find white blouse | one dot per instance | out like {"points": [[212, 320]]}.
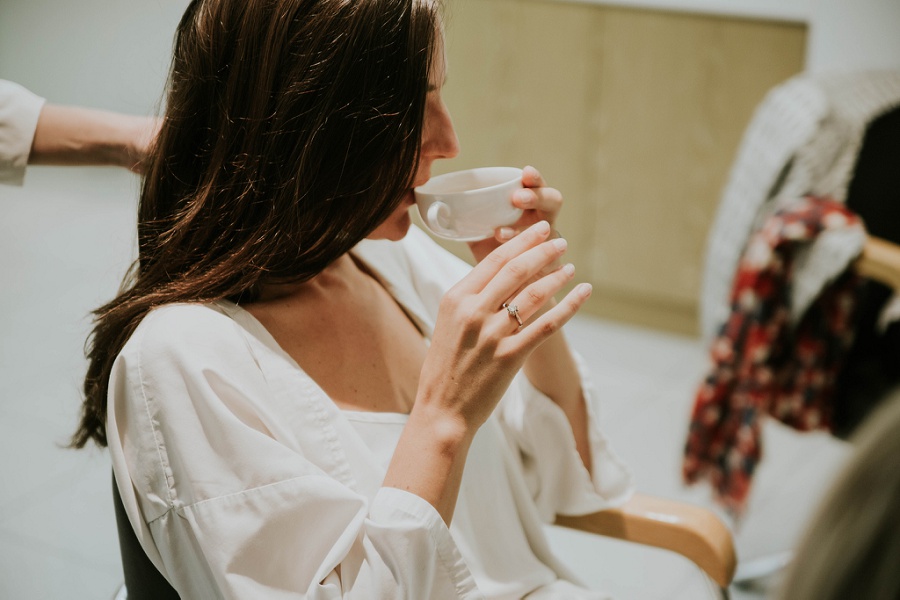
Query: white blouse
{"points": [[246, 481], [486, 526]]}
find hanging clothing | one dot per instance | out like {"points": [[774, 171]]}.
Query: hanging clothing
{"points": [[804, 139], [762, 363]]}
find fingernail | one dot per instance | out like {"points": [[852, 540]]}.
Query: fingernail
{"points": [[584, 289], [542, 227], [523, 197], [560, 244], [506, 233], [569, 269]]}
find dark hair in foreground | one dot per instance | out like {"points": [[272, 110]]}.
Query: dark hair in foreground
{"points": [[852, 546], [292, 130]]}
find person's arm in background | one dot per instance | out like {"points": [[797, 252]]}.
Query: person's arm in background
{"points": [[70, 135], [33, 132]]}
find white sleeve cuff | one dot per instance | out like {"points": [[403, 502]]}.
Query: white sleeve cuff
{"points": [[408, 512], [19, 112], [552, 466], [612, 478]]}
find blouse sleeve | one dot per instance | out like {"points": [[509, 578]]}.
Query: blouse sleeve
{"points": [[540, 432], [231, 504], [19, 112]]}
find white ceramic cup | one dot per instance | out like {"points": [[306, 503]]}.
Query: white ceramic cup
{"points": [[469, 205]]}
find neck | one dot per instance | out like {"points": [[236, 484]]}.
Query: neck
{"points": [[334, 276]]}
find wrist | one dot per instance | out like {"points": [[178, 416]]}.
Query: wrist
{"points": [[128, 141], [430, 458], [448, 431]]}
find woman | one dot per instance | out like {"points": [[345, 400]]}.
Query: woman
{"points": [[294, 411]]}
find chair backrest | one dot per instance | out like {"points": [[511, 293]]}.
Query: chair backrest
{"points": [[142, 579], [870, 371]]}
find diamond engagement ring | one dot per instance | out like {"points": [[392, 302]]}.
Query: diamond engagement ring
{"points": [[513, 311]]}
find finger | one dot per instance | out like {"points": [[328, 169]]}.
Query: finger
{"points": [[533, 334], [520, 272], [531, 177], [486, 270], [504, 234], [538, 203], [545, 200], [508, 232], [535, 295]]}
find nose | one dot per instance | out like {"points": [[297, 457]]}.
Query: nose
{"points": [[438, 135]]}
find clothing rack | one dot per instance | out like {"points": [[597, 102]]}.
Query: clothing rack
{"points": [[880, 261]]}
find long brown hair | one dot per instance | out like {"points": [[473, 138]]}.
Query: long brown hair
{"points": [[292, 130]]}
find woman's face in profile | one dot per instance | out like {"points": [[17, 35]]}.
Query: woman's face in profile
{"points": [[438, 141]]}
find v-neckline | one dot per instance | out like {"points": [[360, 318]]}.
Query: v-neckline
{"points": [[254, 326]]}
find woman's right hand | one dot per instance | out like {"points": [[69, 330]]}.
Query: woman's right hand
{"points": [[478, 346]]}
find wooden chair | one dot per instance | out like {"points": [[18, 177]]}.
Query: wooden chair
{"points": [[691, 531], [880, 261]]}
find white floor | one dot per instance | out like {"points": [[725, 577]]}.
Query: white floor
{"points": [[65, 240]]}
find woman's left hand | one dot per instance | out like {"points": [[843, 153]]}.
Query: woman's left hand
{"points": [[539, 202]]}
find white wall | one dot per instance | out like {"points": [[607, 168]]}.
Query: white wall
{"points": [[110, 54], [854, 34], [844, 34], [66, 238], [114, 53], [787, 10]]}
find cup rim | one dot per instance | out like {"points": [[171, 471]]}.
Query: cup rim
{"points": [[514, 172]]}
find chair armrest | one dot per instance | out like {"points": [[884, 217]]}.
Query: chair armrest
{"points": [[880, 261], [689, 530]]}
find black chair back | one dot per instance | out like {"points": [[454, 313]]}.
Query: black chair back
{"points": [[870, 371], [142, 579]]}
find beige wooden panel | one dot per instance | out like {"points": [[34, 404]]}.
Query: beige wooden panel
{"points": [[518, 81], [635, 115]]}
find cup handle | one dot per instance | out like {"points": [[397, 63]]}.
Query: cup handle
{"points": [[440, 219]]}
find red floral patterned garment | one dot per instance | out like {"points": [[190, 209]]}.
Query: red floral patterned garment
{"points": [[761, 363]]}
